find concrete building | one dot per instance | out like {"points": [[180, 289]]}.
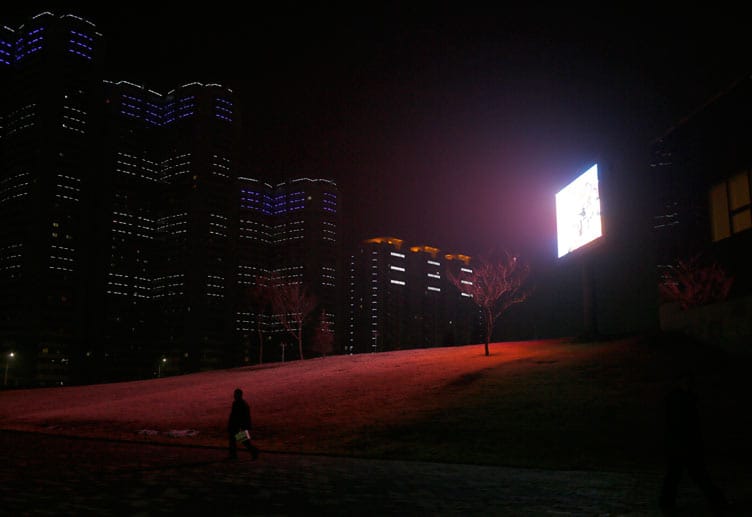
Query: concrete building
{"points": [[52, 83], [400, 298]]}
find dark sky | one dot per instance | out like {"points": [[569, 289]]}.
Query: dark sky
{"points": [[451, 126]]}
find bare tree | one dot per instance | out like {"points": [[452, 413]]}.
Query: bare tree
{"points": [[260, 298], [495, 284], [291, 304], [692, 282]]}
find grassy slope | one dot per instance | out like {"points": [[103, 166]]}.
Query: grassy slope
{"points": [[546, 404]]}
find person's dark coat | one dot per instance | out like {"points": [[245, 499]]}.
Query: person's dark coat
{"points": [[240, 416]]}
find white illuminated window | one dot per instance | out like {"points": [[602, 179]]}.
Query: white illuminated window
{"points": [[466, 270], [434, 275], [434, 263], [396, 268], [431, 288], [395, 254], [398, 282], [466, 282]]}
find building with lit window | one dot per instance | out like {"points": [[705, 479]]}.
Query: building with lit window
{"points": [[50, 126], [197, 226], [400, 297], [129, 192], [290, 230], [701, 168], [132, 236], [170, 277], [702, 171]]}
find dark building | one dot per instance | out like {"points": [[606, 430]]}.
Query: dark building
{"points": [[131, 234], [305, 239], [129, 196], [400, 298], [48, 201], [197, 225], [702, 169], [290, 230]]}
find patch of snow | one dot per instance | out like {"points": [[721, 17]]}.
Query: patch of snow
{"points": [[181, 433]]}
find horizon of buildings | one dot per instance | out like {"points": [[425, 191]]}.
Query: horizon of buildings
{"points": [[132, 231]]}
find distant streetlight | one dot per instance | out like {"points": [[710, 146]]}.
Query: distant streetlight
{"points": [[10, 356], [159, 366]]}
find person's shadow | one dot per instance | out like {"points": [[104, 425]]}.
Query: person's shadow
{"points": [[685, 449]]}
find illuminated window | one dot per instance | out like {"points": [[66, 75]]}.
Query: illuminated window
{"points": [[730, 206]]}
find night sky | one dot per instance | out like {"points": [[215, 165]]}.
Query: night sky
{"points": [[450, 126]]}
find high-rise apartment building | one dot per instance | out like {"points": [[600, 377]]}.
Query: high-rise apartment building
{"points": [[198, 225], [50, 162], [129, 194], [132, 235], [400, 297], [290, 230], [172, 163]]}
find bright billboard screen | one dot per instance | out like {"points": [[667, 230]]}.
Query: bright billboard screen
{"points": [[578, 212]]}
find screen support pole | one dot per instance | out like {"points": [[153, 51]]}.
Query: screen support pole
{"points": [[589, 309]]}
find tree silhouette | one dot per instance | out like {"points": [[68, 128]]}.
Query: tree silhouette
{"points": [[291, 304], [692, 283], [495, 284], [260, 298]]}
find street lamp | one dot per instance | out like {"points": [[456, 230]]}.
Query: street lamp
{"points": [[10, 356], [159, 367]]}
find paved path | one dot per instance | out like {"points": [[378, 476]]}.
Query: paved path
{"points": [[54, 475]]}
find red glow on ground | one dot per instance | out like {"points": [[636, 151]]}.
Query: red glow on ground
{"points": [[289, 401]]}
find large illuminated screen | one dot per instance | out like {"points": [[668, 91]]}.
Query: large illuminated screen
{"points": [[578, 212]]}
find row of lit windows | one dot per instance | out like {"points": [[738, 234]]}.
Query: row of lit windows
{"points": [[171, 167], [21, 118], [14, 187], [73, 119], [11, 256], [220, 166], [185, 107]]}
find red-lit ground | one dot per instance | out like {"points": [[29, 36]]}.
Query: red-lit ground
{"points": [[544, 403]]}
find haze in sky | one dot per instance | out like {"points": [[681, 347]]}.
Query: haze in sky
{"points": [[450, 126]]}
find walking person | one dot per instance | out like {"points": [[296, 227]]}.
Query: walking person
{"points": [[240, 420], [685, 449]]}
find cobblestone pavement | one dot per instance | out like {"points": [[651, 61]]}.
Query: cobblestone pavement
{"points": [[45, 475]]}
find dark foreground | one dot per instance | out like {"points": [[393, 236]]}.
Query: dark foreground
{"points": [[44, 474]]}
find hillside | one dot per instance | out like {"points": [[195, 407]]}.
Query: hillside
{"points": [[549, 403]]}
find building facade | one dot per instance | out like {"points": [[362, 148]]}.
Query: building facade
{"points": [[703, 179], [400, 297], [50, 164], [290, 230], [132, 233], [701, 170]]}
